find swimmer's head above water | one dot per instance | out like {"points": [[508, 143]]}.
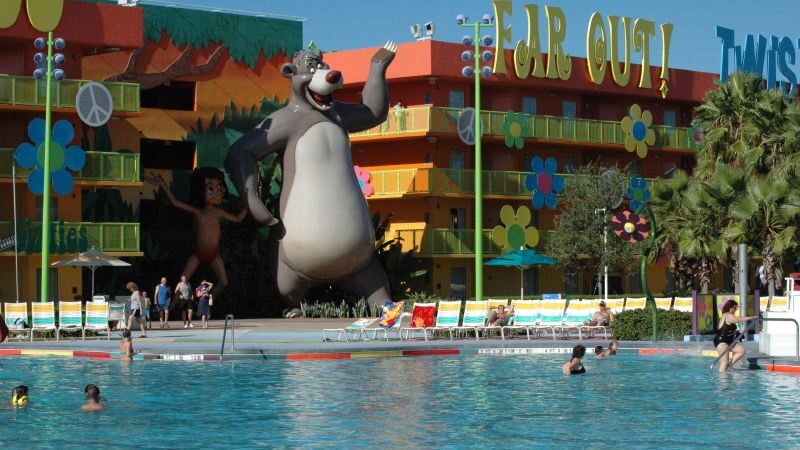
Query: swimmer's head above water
{"points": [[92, 393], [19, 395]]}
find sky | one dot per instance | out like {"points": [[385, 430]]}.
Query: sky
{"points": [[347, 24]]}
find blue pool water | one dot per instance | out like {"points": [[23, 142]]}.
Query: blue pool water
{"points": [[511, 401]]}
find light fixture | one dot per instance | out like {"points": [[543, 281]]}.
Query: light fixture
{"points": [[416, 31], [461, 19], [127, 2], [429, 28]]}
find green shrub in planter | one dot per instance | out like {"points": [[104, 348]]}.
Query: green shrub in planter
{"points": [[637, 325]]}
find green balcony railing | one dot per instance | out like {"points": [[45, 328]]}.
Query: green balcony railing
{"points": [[445, 241], [437, 181], [28, 91], [106, 237], [100, 166], [433, 119]]}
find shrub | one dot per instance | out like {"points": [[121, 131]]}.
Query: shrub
{"points": [[637, 325]]}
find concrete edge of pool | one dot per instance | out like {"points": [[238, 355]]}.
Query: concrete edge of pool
{"points": [[761, 362]]}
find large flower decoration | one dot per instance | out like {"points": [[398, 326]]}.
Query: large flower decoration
{"points": [[637, 126], [637, 193], [515, 128], [544, 183], [515, 232], [630, 226], [62, 156], [695, 138], [363, 176]]}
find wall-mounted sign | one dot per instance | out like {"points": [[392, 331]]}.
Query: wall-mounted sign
{"points": [[63, 239], [603, 46], [759, 54]]}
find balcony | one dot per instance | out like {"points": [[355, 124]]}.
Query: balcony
{"points": [[445, 241], [106, 237], [27, 91], [434, 120], [438, 182], [101, 168]]}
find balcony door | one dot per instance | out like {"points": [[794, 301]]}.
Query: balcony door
{"points": [[569, 111], [458, 283]]}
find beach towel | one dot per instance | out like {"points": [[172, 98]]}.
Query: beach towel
{"points": [[392, 311]]}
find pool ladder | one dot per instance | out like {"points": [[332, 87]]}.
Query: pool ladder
{"points": [[224, 335]]}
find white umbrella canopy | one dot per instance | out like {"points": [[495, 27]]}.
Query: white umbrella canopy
{"points": [[92, 259]]}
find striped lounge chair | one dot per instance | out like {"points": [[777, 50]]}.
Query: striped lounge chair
{"points": [[97, 318], [70, 317], [526, 315], [447, 317], [684, 304], [44, 318], [354, 331], [579, 312], [551, 317], [16, 314], [475, 314]]}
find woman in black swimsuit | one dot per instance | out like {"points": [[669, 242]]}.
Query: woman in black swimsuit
{"points": [[574, 366], [726, 335]]}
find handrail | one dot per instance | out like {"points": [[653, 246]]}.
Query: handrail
{"points": [[224, 333], [736, 340], [796, 335]]}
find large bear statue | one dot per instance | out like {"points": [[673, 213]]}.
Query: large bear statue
{"points": [[328, 237]]}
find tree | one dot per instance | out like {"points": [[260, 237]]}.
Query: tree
{"points": [[577, 240]]}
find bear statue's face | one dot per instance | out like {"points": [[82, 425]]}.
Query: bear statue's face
{"points": [[313, 82]]}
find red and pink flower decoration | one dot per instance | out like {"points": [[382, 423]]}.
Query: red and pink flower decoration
{"points": [[363, 176], [630, 226]]}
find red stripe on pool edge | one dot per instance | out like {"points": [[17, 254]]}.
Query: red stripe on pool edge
{"points": [[318, 356], [453, 351], [664, 351], [647, 351], [98, 355], [10, 352], [779, 368]]}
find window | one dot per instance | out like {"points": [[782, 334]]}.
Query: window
{"points": [[173, 155], [427, 100], [669, 169], [458, 283], [635, 283], [669, 117], [458, 218], [530, 280], [53, 209], [570, 164], [529, 105], [635, 169], [456, 99], [569, 109], [571, 280], [456, 159], [175, 95]]}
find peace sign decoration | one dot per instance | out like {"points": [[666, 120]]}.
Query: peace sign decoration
{"points": [[94, 104]]}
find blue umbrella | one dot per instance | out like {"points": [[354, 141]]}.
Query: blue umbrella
{"points": [[522, 258]]}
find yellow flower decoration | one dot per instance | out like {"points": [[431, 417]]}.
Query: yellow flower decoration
{"points": [[515, 232], [637, 127], [44, 15]]}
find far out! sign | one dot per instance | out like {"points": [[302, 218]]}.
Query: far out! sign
{"points": [[603, 47]]}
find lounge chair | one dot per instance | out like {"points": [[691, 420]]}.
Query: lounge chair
{"points": [[390, 321], [684, 304], [615, 305], [44, 318], [663, 302], [474, 319], [97, 318], [551, 316], [422, 319], [779, 304], [447, 317], [16, 314], [635, 303], [355, 329], [493, 305], [526, 315], [579, 312], [70, 317]]}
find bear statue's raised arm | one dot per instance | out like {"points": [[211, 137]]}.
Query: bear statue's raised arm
{"points": [[242, 163], [374, 104]]}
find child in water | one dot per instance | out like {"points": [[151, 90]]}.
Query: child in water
{"points": [[92, 398], [126, 345], [19, 395]]}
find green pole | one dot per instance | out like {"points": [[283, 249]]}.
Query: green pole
{"points": [[478, 171], [643, 271], [46, 188]]}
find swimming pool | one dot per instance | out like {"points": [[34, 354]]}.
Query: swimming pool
{"points": [[523, 401]]}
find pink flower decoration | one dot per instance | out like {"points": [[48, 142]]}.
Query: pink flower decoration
{"points": [[363, 176]]}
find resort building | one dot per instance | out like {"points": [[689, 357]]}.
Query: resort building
{"points": [[422, 173]]}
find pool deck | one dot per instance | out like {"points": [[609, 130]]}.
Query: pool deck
{"points": [[303, 339]]}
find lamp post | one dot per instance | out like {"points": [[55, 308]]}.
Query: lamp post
{"points": [[45, 69], [487, 21]]}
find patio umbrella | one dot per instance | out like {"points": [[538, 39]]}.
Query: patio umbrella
{"points": [[92, 259], [522, 258]]}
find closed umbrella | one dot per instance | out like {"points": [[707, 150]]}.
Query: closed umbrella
{"points": [[522, 258], [92, 259]]}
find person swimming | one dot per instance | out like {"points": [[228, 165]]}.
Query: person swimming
{"points": [[599, 353], [126, 345], [19, 395], [574, 366], [92, 398]]}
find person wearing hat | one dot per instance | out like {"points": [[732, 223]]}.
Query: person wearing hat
{"points": [[602, 317]]}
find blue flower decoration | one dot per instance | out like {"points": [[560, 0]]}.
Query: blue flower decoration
{"points": [[544, 183], [62, 156], [637, 193]]}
